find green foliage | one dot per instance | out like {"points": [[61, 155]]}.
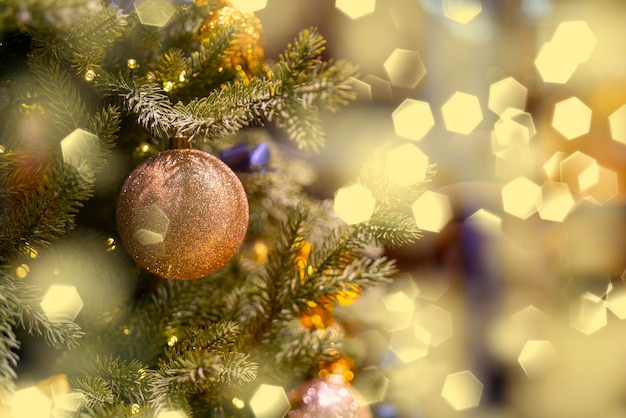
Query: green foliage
{"points": [[177, 344]]}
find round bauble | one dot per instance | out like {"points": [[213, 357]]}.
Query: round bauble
{"points": [[182, 214], [327, 398]]}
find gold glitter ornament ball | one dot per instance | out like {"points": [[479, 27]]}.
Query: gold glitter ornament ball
{"points": [[327, 398], [182, 214]]}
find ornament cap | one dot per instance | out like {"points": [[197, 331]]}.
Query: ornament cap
{"points": [[180, 142]]}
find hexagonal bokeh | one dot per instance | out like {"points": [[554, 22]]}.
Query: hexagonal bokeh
{"points": [[249, 6], [171, 414], [406, 165], [604, 189], [616, 302], [556, 202], [485, 221], [571, 45], [432, 211], [617, 123], [537, 357], [372, 384], [437, 321], [552, 167], [507, 93], [61, 302], [462, 390], [362, 89], [514, 128], [400, 309], [461, 113], [461, 11], [269, 401], [572, 118], [30, 402], [573, 167], [154, 225], [154, 12], [356, 8], [520, 196], [404, 68], [354, 204], [576, 39], [78, 146], [410, 344], [588, 314], [413, 119]]}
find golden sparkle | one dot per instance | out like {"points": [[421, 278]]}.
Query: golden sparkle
{"points": [[413, 119], [556, 202], [461, 113], [462, 390], [404, 68], [519, 197], [269, 401], [572, 118], [432, 211], [354, 204], [505, 94], [355, 9]]}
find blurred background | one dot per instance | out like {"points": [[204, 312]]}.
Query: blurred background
{"points": [[512, 303]]}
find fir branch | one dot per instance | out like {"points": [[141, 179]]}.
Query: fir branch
{"points": [[171, 66], [58, 334], [109, 380], [237, 369], [9, 344], [216, 337], [280, 268], [391, 229], [60, 96]]}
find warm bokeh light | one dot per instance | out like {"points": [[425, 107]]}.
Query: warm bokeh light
{"points": [[30, 402], [485, 221], [269, 401], [462, 390], [406, 165], [552, 167], [617, 124], [249, 6], [514, 128], [362, 89], [588, 177], [571, 45], [154, 225], [356, 8], [432, 211], [437, 321], [520, 197], [404, 68], [576, 39], [616, 302], [372, 384], [588, 313], [413, 119], [508, 335], [78, 146], [505, 94], [461, 11], [61, 303], [354, 204], [154, 12], [537, 357], [556, 201], [461, 113], [605, 188], [572, 118], [410, 344], [400, 309], [573, 167]]}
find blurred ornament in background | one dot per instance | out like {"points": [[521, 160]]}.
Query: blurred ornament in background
{"points": [[327, 398], [243, 158], [182, 214], [245, 56]]}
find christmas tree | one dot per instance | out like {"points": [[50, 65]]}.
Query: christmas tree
{"points": [[92, 95]]}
